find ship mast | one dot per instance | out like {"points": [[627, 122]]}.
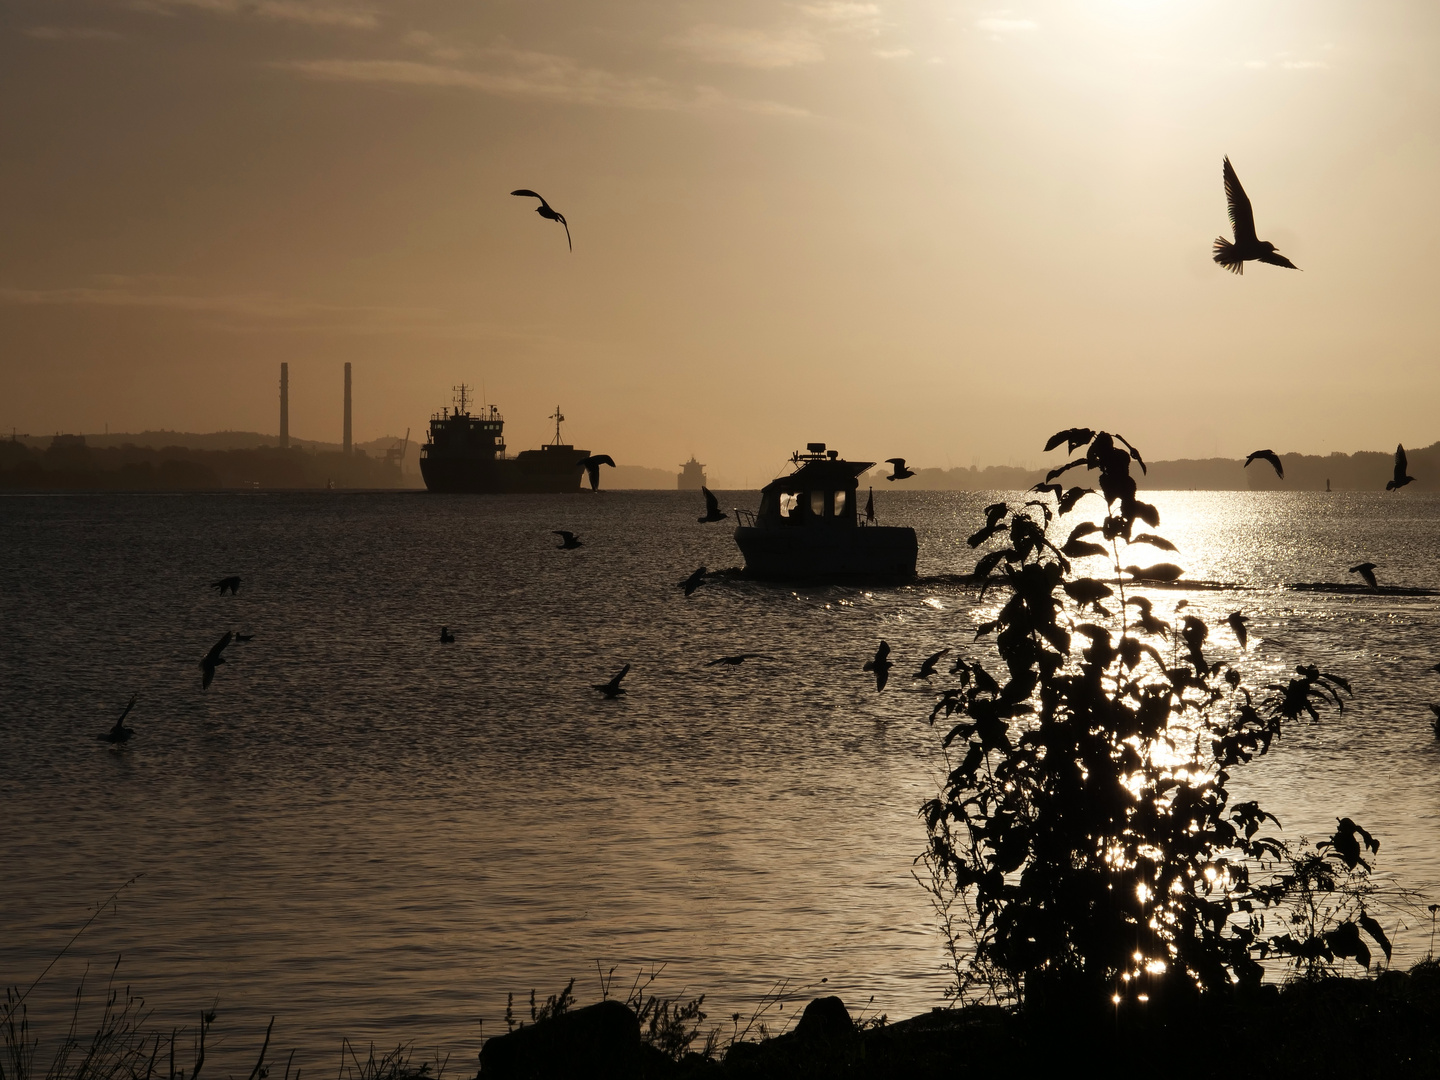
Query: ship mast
{"points": [[558, 418], [462, 391]]}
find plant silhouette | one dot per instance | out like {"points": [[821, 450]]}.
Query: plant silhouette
{"points": [[1085, 824]]}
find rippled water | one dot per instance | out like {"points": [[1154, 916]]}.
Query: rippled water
{"points": [[374, 836]]}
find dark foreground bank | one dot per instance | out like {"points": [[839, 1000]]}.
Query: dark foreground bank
{"points": [[1385, 1026]]}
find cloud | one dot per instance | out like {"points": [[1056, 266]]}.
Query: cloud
{"points": [[541, 76], [71, 33], [749, 48], [846, 16], [893, 54], [307, 12], [998, 25], [131, 293]]}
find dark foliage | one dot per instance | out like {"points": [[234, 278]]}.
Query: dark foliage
{"points": [[1086, 823]]}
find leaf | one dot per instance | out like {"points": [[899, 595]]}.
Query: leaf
{"points": [[1079, 549], [1073, 496], [985, 532], [1146, 513], [988, 563], [1134, 453], [1154, 541], [1061, 470], [1085, 528], [1373, 928], [1087, 590], [1071, 437]]}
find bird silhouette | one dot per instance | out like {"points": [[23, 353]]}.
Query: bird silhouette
{"points": [[694, 581], [592, 464], [1401, 464], [1270, 456], [739, 658], [612, 689], [213, 659], [880, 665], [927, 668], [546, 211], [900, 471], [568, 540], [446, 637], [230, 584], [712, 507], [1367, 571], [120, 733], [1246, 247], [1237, 623], [1436, 722]]}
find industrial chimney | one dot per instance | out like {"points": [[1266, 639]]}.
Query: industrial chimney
{"points": [[284, 406], [347, 407]]}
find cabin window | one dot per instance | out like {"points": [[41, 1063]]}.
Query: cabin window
{"points": [[789, 504], [817, 504], [839, 503]]}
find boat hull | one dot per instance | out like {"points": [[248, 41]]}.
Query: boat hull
{"points": [[533, 472], [879, 552]]}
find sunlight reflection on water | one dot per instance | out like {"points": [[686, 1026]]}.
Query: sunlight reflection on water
{"points": [[374, 836]]}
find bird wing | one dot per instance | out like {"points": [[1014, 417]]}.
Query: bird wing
{"points": [[128, 707], [1402, 463], [1274, 258], [1242, 217], [623, 672], [568, 243], [933, 660], [214, 654], [882, 652], [531, 194], [1270, 456], [898, 462], [712, 504], [600, 459]]}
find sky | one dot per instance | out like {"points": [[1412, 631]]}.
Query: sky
{"points": [[940, 230]]}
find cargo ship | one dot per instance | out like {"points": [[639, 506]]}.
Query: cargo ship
{"points": [[692, 476], [808, 526], [466, 453]]}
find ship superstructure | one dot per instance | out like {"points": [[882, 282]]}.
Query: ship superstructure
{"points": [[466, 453], [692, 476]]}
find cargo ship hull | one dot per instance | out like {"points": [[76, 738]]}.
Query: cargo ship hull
{"points": [[466, 454]]}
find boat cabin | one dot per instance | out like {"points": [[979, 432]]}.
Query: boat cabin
{"points": [[819, 493]]}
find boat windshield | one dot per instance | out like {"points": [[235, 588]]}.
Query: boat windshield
{"points": [[840, 503]]}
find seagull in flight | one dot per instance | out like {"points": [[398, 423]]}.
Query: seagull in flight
{"points": [[120, 733], [612, 689], [694, 581], [901, 472], [592, 464], [1270, 456], [1367, 571], [712, 507], [928, 667], [738, 659], [213, 659], [1401, 464], [546, 211], [1246, 247], [880, 665], [1237, 623], [568, 540], [230, 584]]}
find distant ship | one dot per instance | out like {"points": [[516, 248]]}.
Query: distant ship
{"points": [[466, 453], [692, 476], [808, 526]]}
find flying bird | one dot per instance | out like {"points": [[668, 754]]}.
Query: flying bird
{"points": [[120, 733], [592, 464], [928, 667], [232, 584], [1237, 623], [1401, 464], [1270, 456], [568, 540], [740, 658], [546, 211], [612, 689], [1234, 256], [712, 507], [446, 637], [213, 659], [1367, 571], [880, 665], [694, 581], [901, 472]]}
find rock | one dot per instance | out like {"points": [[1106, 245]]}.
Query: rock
{"points": [[597, 1041], [825, 1020]]}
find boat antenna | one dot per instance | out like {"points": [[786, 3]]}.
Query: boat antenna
{"points": [[558, 418], [463, 391]]}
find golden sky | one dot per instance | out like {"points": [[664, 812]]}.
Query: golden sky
{"points": [[941, 230]]}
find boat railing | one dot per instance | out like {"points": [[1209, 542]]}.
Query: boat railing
{"points": [[744, 518]]}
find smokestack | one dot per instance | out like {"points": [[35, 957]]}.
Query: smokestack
{"points": [[347, 407], [284, 406]]}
